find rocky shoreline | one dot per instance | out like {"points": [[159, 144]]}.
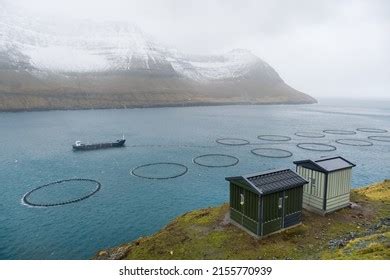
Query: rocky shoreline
{"points": [[170, 105], [361, 231]]}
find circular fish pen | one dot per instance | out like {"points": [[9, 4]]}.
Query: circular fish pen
{"points": [[319, 147], [160, 170], [271, 153], [380, 138], [27, 197], [339, 132], [276, 138], [309, 134], [232, 141], [372, 130], [354, 142], [216, 160]]}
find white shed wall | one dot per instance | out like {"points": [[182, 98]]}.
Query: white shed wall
{"points": [[339, 188], [313, 192]]}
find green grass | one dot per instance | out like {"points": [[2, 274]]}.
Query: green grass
{"points": [[206, 234], [372, 247]]}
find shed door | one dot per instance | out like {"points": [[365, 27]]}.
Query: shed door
{"points": [[292, 207], [272, 212]]}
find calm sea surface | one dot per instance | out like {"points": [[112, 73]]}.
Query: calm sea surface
{"points": [[35, 149]]}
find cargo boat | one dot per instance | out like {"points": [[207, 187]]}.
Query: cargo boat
{"points": [[79, 146]]}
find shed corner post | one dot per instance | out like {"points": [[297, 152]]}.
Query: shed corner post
{"points": [[283, 207], [261, 216], [258, 214], [325, 192]]}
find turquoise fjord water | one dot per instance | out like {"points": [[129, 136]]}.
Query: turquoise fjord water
{"points": [[35, 149]]}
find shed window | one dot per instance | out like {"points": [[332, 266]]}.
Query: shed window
{"points": [[242, 199], [313, 182]]}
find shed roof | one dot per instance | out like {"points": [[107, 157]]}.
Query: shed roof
{"points": [[271, 181], [328, 164]]}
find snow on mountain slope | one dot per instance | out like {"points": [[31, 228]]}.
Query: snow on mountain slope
{"points": [[54, 64], [88, 46], [65, 59], [234, 64]]}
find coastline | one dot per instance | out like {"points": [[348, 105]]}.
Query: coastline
{"points": [[207, 234], [147, 106]]}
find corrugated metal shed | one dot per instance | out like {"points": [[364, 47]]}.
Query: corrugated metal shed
{"points": [[266, 202], [329, 183]]}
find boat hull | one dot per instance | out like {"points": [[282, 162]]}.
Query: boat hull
{"points": [[97, 146]]}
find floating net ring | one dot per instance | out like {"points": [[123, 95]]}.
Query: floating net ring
{"points": [[316, 147], [26, 200], [271, 153], [309, 134], [159, 170], [372, 130], [170, 146], [232, 141], [221, 159], [276, 138], [354, 142], [380, 138], [339, 131]]}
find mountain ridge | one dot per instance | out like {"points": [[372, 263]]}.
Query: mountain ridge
{"points": [[46, 65]]}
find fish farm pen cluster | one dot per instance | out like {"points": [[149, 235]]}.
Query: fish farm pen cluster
{"points": [[219, 160], [260, 203]]}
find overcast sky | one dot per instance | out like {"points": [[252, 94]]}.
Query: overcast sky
{"points": [[324, 48]]}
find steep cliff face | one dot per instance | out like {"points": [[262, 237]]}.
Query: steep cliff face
{"points": [[49, 65]]}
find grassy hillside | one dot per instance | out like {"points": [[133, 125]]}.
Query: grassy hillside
{"points": [[359, 232], [22, 91]]}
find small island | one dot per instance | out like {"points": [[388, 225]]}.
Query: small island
{"points": [[361, 231]]}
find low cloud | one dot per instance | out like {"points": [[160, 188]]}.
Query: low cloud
{"points": [[324, 48]]}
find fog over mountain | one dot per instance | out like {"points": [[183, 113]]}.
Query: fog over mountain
{"points": [[90, 46], [46, 64], [197, 51]]}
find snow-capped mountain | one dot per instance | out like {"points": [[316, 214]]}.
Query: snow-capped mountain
{"points": [[53, 56], [95, 47]]}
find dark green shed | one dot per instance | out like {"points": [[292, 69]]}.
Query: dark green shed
{"points": [[266, 202]]}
